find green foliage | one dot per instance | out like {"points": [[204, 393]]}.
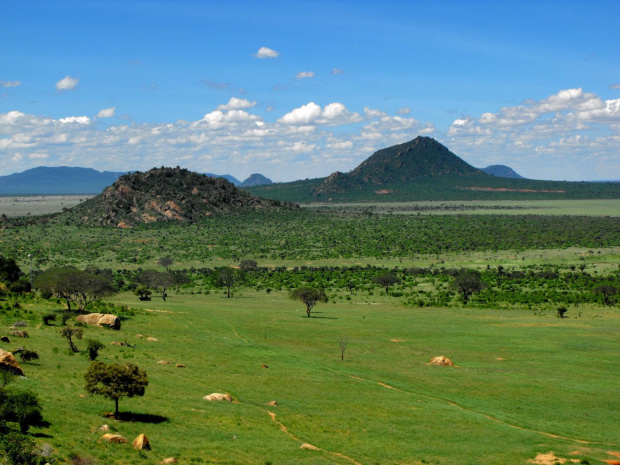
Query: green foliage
{"points": [[94, 346], [309, 296], [18, 449], [228, 277], [608, 292], [386, 280], [114, 381], [166, 262], [467, 282], [9, 271], [561, 312], [143, 292], [75, 285], [20, 407], [49, 317], [28, 355], [70, 333]]}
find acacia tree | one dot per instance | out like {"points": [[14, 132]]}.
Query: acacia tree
{"points": [[227, 277], [156, 280], [69, 333], [114, 381], [73, 285], [386, 280], [309, 296], [166, 262], [466, 282]]}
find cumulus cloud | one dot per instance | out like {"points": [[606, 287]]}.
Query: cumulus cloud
{"points": [[106, 113], [75, 119], [334, 114], [304, 75], [10, 83], [67, 83], [237, 104], [266, 52]]}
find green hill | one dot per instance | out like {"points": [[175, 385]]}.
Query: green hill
{"points": [[422, 170]]}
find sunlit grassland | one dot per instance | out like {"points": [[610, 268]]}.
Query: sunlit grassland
{"points": [[523, 383], [13, 206]]}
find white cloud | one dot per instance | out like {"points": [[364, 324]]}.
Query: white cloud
{"points": [[38, 156], [17, 157], [302, 115], [334, 114], [67, 83], [237, 104], [304, 75], [10, 83], [106, 113], [75, 119], [336, 71], [614, 86], [403, 111], [266, 52]]}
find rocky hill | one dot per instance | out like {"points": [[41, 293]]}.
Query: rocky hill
{"points": [[502, 171], [422, 158], [166, 195]]}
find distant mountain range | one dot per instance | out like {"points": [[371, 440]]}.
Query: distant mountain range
{"points": [[46, 180]]}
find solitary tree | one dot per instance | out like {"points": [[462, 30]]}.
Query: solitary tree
{"points": [[386, 280], [227, 277], [157, 280], [343, 341], [309, 296], [166, 262], [143, 292], [114, 381], [9, 271], [22, 408], [73, 285], [69, 332], [466, 282]]}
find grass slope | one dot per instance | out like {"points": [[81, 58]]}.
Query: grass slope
{"points": [[524, 384]]}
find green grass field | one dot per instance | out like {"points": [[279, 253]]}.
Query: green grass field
{"points": [[523, 383]]}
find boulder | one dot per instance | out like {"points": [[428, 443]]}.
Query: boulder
{"points": [[169, 460], [5, 339], [141, 443], [104, 428], [441, 360], [218, 397], [109, 320], [152, 339], [307, 446], [114, 438], [90, 319], [164, 362], [8, 362], [100, 319], [180, 365], [272, 403]]}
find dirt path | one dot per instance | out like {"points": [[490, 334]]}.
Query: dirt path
{"points": [[485, 415], [237, 334]]}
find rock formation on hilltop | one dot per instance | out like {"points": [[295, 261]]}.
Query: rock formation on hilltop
{"points": [[167, 195]]}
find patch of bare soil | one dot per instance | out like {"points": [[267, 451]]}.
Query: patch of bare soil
{"points": [[507, 189], [550, 459]]}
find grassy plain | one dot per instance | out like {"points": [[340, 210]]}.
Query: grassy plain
{"points": [[523, 383]]}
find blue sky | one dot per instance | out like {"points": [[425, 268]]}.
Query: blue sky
{"points": [[301, 89]]}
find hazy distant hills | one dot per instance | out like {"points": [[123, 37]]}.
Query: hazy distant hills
{"points": [[46, 180], [173, 195], [502, 171]]}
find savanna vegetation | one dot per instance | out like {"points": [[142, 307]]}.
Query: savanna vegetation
{"points": [[262, 307]]}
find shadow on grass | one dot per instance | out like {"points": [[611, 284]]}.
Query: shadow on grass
{"points": [[42, 436], [322, 317], [138, 417]]}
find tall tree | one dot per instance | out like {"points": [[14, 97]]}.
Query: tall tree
{"points": [[466, 282], [73, 285], [9, 271], [114, 381], [386, 280], [166, 262], [227, 277], [310, 296]]}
